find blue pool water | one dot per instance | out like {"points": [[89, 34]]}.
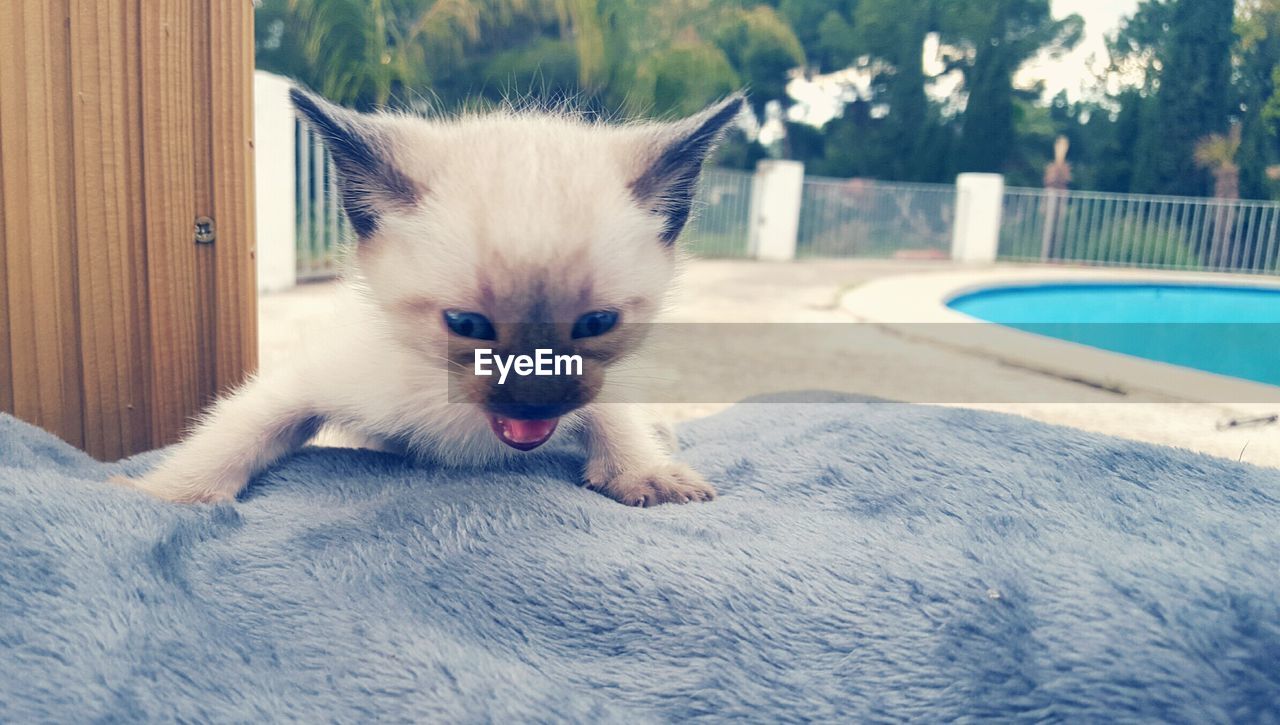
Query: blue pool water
{"points": [[1221, 329]]}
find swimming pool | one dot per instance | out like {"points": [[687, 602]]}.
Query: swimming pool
{"points": [[1229, 330]]}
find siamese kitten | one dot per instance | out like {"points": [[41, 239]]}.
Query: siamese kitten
{"points": [[510, 232]]}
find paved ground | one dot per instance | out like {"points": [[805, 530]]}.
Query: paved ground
{"points": [[882, 364]]}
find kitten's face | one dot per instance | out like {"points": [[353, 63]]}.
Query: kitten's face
{"points": [[515, 233]]}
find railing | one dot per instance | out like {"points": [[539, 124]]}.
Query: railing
{"points": [[722, 215], [323, 231], [862, 218], [1133, 230], [718, 229]]}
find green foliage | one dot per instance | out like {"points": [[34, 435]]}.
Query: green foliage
{"points": [[1101, 142], [763, 48], [535, 69], [1180, 70], [1001, 36], [894, 33], [680, 78], [1035, 126], [675, 56], [1257, 29], [664, 57], [1191, 98], [1140, 44], [824, 29], [365, 52], [860, 144]]}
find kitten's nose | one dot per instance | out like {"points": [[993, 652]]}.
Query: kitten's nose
{"points": [[530, 411], [536, 397]]}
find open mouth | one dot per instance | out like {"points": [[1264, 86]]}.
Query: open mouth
{"points": [[523, 435]]}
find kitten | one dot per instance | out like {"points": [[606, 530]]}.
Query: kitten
{"points": [[506, 231]]}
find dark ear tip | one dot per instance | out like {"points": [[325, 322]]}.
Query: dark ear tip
{"points": [[736, 100], [300, 97], [721, 113], [304, 102], [315, 110]]}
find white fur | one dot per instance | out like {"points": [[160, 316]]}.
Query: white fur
{"points": [[512, 205]]}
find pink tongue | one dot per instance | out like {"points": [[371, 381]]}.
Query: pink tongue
{"points": [[523, 434]]}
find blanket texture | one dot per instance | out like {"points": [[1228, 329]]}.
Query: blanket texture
{"points": [[864, 561]]}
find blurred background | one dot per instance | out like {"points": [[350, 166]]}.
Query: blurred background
{"points": [[1156, 97], [898, 156]]}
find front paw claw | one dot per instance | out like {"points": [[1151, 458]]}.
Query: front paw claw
{"points": [[666, 483]]}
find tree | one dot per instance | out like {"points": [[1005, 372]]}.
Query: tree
{"points": [[1257, 58], [682, 77], [1186, 70], [824, 29], [675, 56], [653, 56], [997, 37], [894, 131], [894, 34], [1107, 142], [539, 52], [762, 47], [1140, 45], [365, 52], [1217, 154], [1193, 61]]}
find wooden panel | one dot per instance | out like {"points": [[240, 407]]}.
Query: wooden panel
{"points": [[6, 373], [168, 166], [41, 302], [231, 143], [121, 122], [140, 295], [205, 262], [64, 266], [109, 231]]}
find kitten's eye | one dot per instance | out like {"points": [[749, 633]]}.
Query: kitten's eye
{"points": [[470, 324], [594, 324]]}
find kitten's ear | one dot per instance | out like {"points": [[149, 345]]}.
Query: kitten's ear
{"points": [[369, 181], [669, 177]]}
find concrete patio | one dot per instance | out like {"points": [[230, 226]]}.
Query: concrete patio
{"points": [[893, 366]]}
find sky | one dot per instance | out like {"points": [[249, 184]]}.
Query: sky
{"points": [[1072, 72], [818, 99]]}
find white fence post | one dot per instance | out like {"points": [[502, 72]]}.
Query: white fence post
{"points": [[775, 209], [979, 207], [274, 150]]}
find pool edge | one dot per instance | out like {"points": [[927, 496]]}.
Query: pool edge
{"points": [[900, 303]]}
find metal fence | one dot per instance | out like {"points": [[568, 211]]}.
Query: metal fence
{"points": [[323, 231], [719, 227], [862, 218], [722, 217], [1132, 230]]}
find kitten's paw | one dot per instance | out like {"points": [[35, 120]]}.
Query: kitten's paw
{"points": [[177, 492], [667, 482]]}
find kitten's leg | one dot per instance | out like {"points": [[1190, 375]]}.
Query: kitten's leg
{"points": [[238, 438], [666, 435], [626, 462]]}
